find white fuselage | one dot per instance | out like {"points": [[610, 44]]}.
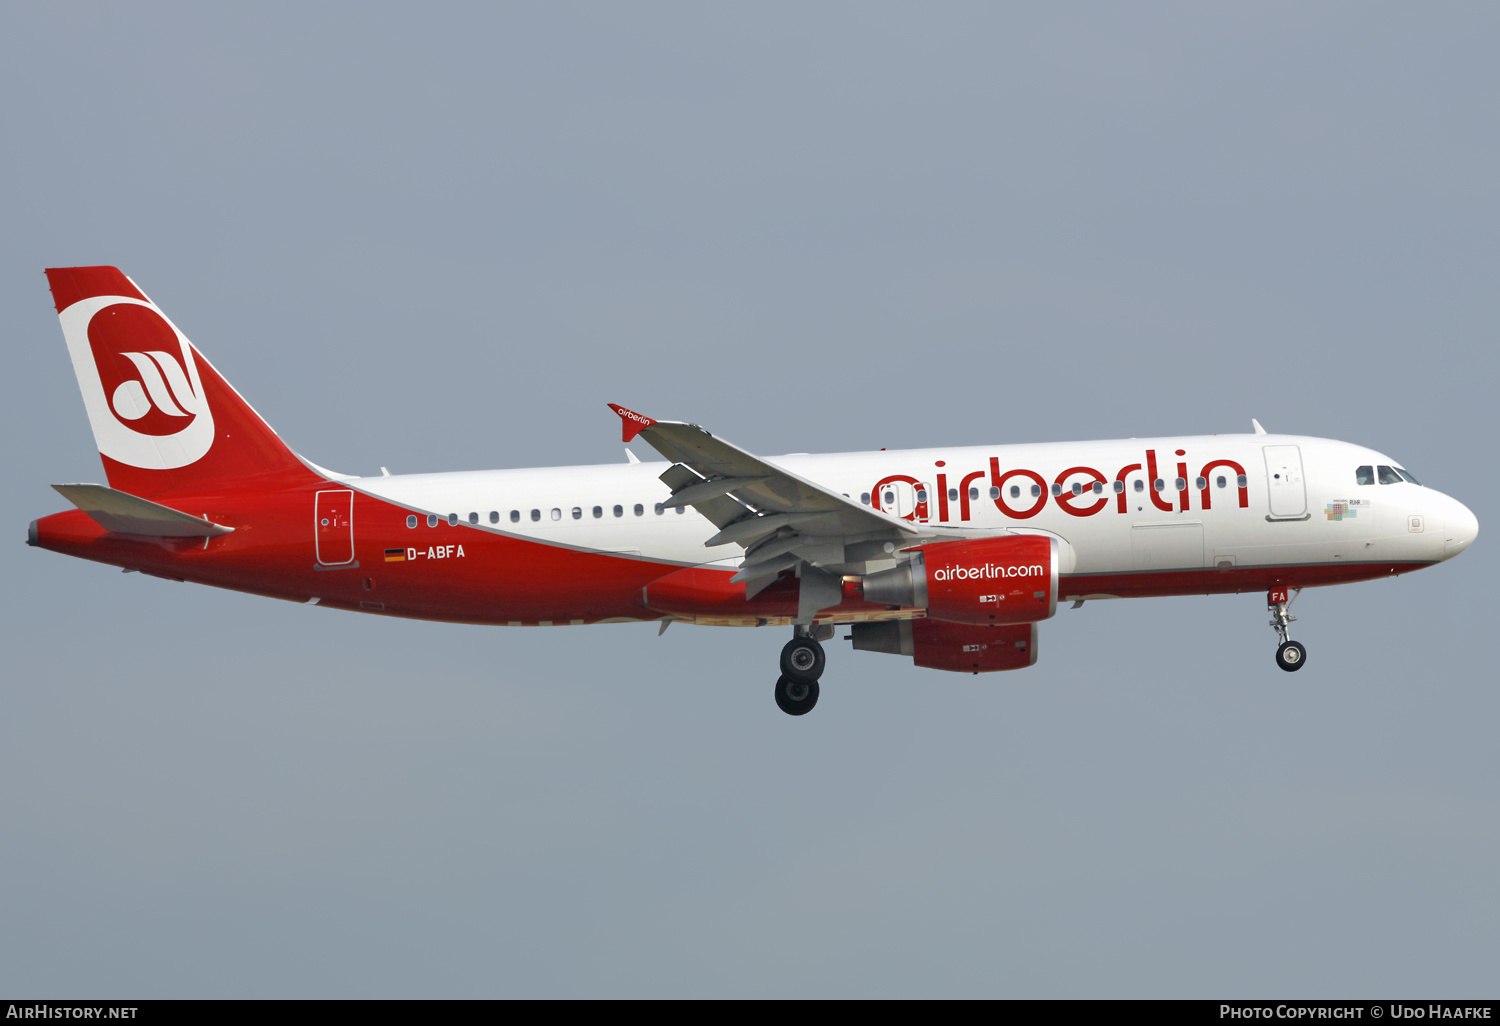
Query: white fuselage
{"points": [[1300, 503]]}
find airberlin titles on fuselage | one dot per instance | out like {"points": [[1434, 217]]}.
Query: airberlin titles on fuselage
{"points": [[1091, 484]]}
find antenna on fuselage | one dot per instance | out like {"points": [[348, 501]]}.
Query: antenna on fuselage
{"points": [[1256, 424]]}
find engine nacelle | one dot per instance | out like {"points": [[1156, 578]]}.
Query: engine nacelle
{"points": [[1009, 579], [959, 647]]}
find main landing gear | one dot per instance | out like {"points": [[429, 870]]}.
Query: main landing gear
{"points": [[1290, 655], [802, 662]]}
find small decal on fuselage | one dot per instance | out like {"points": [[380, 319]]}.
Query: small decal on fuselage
{"points": [[1346, 509]]}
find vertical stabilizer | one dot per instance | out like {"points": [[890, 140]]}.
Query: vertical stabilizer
{"points": [[163, 418]]}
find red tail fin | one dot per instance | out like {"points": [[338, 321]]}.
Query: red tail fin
{"points": [[162, 416]]}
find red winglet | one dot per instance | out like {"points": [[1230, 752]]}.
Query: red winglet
{"points": [[631, 423]]}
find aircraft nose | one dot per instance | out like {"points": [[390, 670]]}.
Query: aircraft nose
{"points": [[1462, 529]]}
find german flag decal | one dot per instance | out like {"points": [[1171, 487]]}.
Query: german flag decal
{"points": [[395, 555]]}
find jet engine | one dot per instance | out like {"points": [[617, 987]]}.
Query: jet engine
{"points": [[961, 648], [1002, 580]]}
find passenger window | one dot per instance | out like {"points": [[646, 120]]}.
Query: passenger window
{"points": [[1036, 491], [681, 509], [890, 497], [411, 521], [1015, 491], [1408, 477], [577, 512], [452, 519], [660, 509], [474, 518], [1056, 488], [1077, 488], [1242, 481], [864, 497], [1388, 476], [598, 512], [536, 515], [432, 520], [1119, 487], [922, 495], [1364, 476], [1140, 485], [1181, 484], [619, 511], [973, 494], [1221, 481], [639, 509], [556, 513], [953, 494], [1201, 483], [515, 516], [995, 492], [1159, 485], [494, 516]]}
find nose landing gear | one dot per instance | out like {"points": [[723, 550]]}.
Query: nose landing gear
{"points": [[1290, 655], [802, 662]]}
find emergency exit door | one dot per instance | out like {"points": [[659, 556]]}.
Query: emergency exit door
{"points": [[898, 498], [333, 527], [1284, 481]]}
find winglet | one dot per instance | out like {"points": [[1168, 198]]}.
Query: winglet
{"points": [[631, 423]]}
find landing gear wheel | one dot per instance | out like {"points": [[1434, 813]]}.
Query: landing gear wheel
{"points": [[796, 699], [802, 661], [1290, 655]]}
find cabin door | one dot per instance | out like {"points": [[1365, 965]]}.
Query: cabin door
{"points": [[1284, 481], [333, 527]]}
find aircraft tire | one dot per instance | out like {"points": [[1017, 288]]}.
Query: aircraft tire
{"points": [[1290, 655], [802, 660], [794, 698]]}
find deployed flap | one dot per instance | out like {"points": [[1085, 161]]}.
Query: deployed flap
{"points": [[754, 482], [782, 521], [124, 513]]}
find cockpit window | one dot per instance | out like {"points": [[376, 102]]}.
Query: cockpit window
{"points": [[1408, 477], [1389, 476], [1364, 475]]}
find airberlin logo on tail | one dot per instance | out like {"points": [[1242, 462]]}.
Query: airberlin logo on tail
{"points": [[140, 383]]}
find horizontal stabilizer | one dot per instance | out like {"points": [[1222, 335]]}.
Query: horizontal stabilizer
{"points": [[124, 513]]}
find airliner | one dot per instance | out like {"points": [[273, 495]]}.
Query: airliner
{"points": [[948, 556]]}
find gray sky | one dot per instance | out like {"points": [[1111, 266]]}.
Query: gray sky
{"points": [[444, 238]]}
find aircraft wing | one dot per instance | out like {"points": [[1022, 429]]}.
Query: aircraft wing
{"points": [[780, 519]]}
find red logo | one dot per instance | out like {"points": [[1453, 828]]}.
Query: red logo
{"points": [[139, 359]]}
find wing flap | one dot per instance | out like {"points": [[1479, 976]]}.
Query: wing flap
{"points": [[782, 521], [756, 482]]}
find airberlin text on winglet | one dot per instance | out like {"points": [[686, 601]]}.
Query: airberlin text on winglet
{"points": [[632, 423]]}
